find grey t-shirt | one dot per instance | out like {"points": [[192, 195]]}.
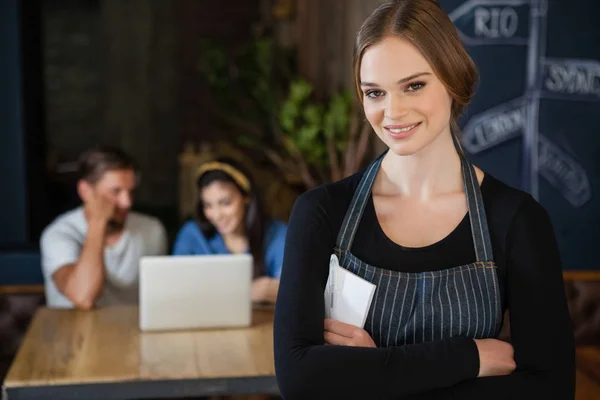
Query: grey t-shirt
{"points": [[62, 241]]}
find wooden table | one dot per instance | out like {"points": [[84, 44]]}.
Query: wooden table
{"points": [[101, 354]]}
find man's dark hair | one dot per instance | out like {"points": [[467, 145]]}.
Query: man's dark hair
{"points": [[93, 164]]}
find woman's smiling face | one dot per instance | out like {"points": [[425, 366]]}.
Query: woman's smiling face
{"points": [[404, 101]]}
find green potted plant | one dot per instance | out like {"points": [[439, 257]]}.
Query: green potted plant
{"points": [[275, 113]]}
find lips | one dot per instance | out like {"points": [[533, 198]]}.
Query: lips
{"points": [[401, 131], [223, 225], [120, 215]]}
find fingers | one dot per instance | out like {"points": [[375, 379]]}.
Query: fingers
{"points": [[340, 328], [106, 202], [336, 340], [97, 200]]}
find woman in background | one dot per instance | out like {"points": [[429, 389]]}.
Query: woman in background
{"points": [[230, 220]]}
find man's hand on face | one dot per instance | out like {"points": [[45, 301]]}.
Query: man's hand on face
{"points": [[108, 199], [98, 207]]}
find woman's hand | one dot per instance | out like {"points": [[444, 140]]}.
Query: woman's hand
{"points": [[496, 357], [264, 289], [341, 334]]}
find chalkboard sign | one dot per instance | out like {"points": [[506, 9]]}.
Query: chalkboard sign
{"points": [[535, 120]]}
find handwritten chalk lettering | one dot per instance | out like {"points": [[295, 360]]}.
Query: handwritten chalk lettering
{"points": [[564, 173], [500, 126], [572, 79], [494, 23], [494, 126]]}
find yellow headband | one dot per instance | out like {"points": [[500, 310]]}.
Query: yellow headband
{"points": [[234, 173]]}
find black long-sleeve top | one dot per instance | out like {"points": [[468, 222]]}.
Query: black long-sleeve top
{"points": [[530, 277]]}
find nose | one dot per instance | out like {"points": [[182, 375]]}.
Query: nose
{"points": [[396, 106], [125, 200], [215, 213]]}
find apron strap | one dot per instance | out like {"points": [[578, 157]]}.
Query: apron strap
{"points": [[355, 210], [477, 216]]}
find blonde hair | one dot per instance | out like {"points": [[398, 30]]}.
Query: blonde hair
{"points": [[235, 174]]}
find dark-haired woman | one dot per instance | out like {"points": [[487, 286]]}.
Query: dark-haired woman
{"points": [[230, 220]]}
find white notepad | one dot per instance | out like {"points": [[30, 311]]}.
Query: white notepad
{"points": [[347, 296]]}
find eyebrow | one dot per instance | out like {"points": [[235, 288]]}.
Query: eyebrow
{"points": [[408, 78]]}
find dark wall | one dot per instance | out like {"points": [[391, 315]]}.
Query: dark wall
{"points": [[126, 73], [22, 207], [21, 125], [109, 70], [534, 122], [227, 25], [13, 220]]}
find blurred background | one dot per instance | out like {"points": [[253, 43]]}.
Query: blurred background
{"points": [[269, 82]]}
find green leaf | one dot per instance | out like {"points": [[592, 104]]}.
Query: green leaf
{"points": [[317, 154], [307, 134], [300, 90], [287, 117], [313, 114], [329, 125], [264, 54], [341, 145], [338, 115]]}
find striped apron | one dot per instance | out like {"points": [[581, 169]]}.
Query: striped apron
{"points": [[410, 308]]}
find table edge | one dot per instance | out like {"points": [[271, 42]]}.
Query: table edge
{"points": [[159, 388]]}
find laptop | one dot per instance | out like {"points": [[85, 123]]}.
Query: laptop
{"points": [[190, 292]]}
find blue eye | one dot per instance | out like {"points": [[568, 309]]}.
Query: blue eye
{"points": [[373, 94], [415, 86]]}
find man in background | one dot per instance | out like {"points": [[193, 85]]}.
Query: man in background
{"points": [[90, 255]]}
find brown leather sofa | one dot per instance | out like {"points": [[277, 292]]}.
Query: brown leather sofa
{"points": [[16, 310], [583, 297]]}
